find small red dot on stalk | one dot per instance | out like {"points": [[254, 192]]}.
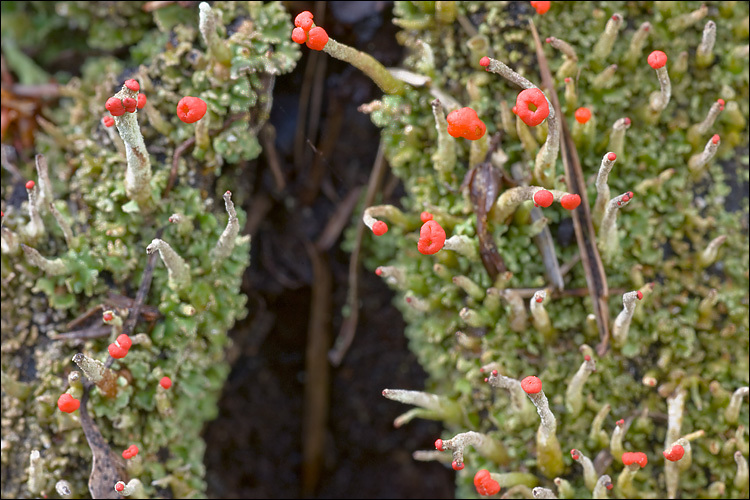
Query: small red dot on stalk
{"points": [[583, 115], [299, 35], [627, 121], [317, 38], [611, 156], [539, 299], [587, 358], [108, 121], [30, 185], [675, 454], [378, 272], [408, 299], [165, 382], [531, 384], [379, 228], [620, 422], [481, 370], [570, 201], [141, 101], [132, 85], [639, 295], [457, 466], [108, 316], [486, 379], [657, 59], [609, 486], [68, 403], [543, 198], [721, 102], [485, 61], [568, 79], [494, 373], [119, 486], [439, 445], [548, 40], [574, 454], [425, 216], [715, 139]]}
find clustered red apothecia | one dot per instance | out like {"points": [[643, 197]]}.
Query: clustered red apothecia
{"points": [[306, 32], [465, 123], [119, 349], [130, 452]]}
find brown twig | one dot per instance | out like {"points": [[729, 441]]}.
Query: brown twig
{"points": [[338, 221], [349, 325], [584, 229]]}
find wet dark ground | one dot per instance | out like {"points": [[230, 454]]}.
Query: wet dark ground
{"points": [[254, 447]]}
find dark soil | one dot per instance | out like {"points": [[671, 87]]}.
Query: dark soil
{"points": [[255, 445]]}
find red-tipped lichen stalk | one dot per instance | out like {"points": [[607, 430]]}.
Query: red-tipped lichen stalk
{"points": [[607, 238], [178, 269], [228, 238], [316, 38], [569, 67], [607, 39], [621, 326], [486, 446], [539, 316], [574, 391], [548, 451], [518, 399], [35, 227], [511, 199], [489, 483], [138, 173], [602, 188], [603, 485], [444, 157], [547, 156], [431, 406], [698, 163], [372, 214], [134, 488], [696, 132], [637, 43], [617, 136], [711, 252], [659, 100], [675, 414], [615, 441], [393, 275], [589, 474], [633, 462]]}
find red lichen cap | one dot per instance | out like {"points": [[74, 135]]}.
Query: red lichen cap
{"points": [[657, 59], [124, 341], [119, 486], [485, 61], [611, 156], [30, 185], [485, 485], [114, 106], [531, 384], [541, 7], [465, 123], [68, 403], [304, 20], [634, 457], [141, 100], [108, 121], [132, 85], [457, 466], [721, 104], [165, 382], [439, 445], [583, 115], [639, 295], [543, 198], [130, 104], [299, 35], [379, 228], [317, 38], [715, 139], [130, 452], [528, 99], [575, 454], [116, 351], [676, 453], [191, 109], [570, 201], [425, 216], [431, 238]]}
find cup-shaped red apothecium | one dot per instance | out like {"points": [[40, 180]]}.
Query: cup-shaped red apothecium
{"points": [[532, 107], [431, 238], [191, 109]]}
